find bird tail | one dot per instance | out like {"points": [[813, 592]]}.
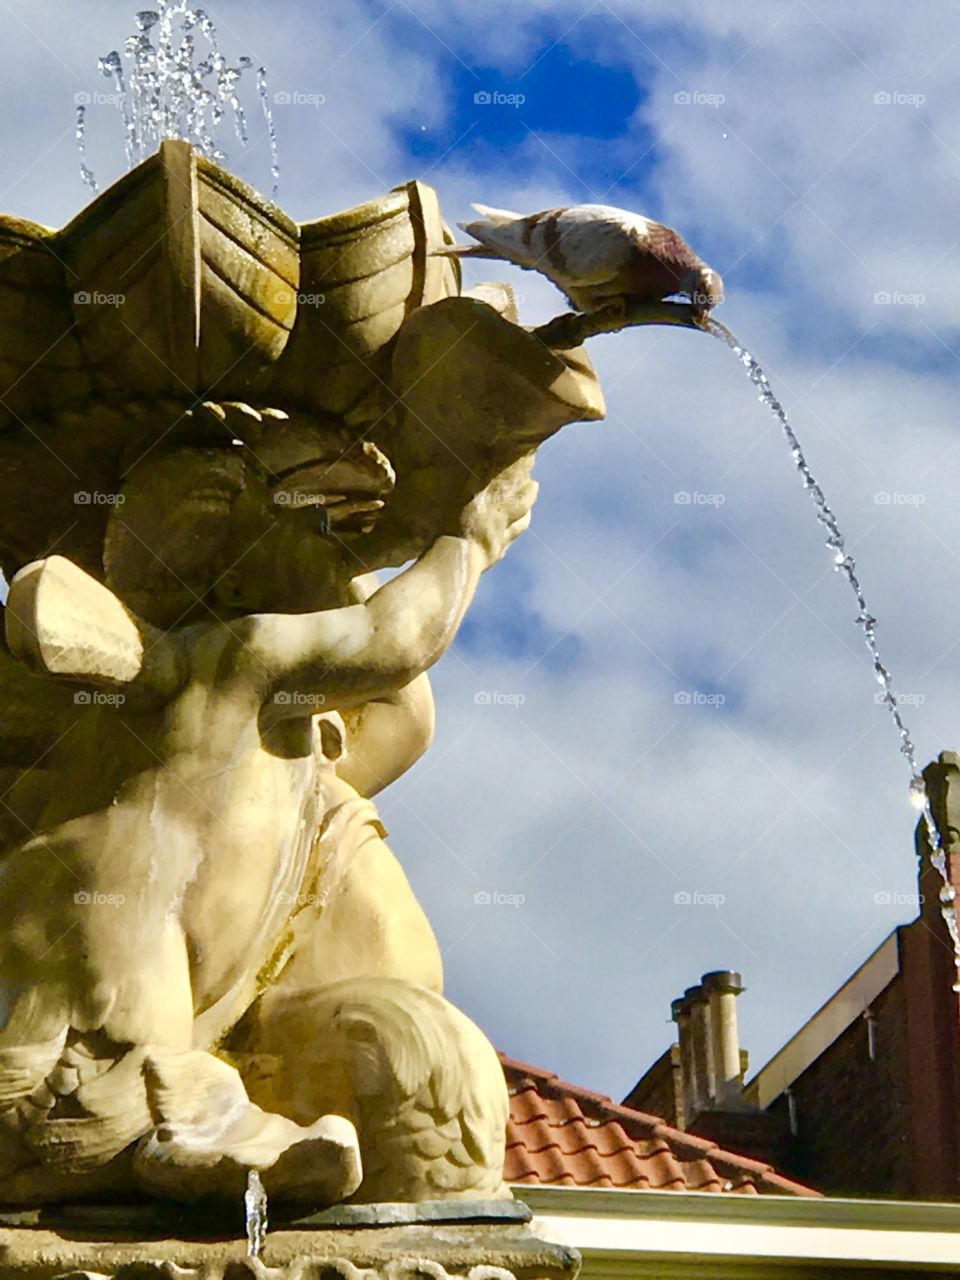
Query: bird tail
{"points": [[492, 232]]}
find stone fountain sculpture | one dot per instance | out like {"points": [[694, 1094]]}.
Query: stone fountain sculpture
{"points": [[215, 424]]}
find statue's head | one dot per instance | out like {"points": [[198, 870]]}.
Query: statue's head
{"points": [[224, 528]]}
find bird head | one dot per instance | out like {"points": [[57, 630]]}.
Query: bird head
{"points": [[704, 287]]}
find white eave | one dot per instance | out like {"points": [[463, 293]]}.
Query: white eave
{"points": [[827, 1024], [695, 1235]]}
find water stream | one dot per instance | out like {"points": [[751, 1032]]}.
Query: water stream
{"points": [[255, 1207], [845, 564], [177, 84]]}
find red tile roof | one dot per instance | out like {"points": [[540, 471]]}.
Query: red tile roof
{"points": [[562, 1135]]}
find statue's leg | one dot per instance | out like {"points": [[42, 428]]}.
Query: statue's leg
{"points": [[358, 916], [96, 1059], [210, 1135], [420, 1081], [89, 980]]}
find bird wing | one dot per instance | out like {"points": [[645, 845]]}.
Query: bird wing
{"points": [[668, 246], [582, 248]]}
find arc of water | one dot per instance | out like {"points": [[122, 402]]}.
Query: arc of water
{"points": [[845, 564]]}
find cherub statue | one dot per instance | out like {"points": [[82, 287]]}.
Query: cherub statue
{"points": [[202, 832]]}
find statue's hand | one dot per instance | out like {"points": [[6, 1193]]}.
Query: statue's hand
{"points": [[500, 512]]}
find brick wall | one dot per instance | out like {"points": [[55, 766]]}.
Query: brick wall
{"points": [[658, 1091], [853, 1113]]}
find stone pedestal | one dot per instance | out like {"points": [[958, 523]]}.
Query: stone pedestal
{"points": [[433, 1241]]}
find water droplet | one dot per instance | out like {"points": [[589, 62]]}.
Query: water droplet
{"points": [[918, 793], [255, 1208]]}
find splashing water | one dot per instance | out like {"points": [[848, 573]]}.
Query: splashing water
{"points": [[255, 1207], [845, 564], [176, 90]]}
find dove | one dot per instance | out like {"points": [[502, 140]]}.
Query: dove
{"points": [[599, 256]]}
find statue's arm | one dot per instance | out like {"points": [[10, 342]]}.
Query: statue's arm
{"points": [[60, 622], [387, 736], [340, 658]]}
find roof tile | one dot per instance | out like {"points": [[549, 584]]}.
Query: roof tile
{"points": [[562, 1135]]}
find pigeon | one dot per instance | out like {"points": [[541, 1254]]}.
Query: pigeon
{"points": [[599, 256]]}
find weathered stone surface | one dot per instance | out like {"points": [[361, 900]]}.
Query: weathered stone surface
{"points": [[424, 1251]]}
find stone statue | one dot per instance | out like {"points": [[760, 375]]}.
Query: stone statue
{"points": [[211, 961]]}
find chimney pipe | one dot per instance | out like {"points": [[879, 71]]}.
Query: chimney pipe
{"points": [[699, 1083], [722, 987], [680, 1012]]}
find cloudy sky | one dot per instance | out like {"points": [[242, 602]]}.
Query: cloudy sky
{"points": [[681, 765]]}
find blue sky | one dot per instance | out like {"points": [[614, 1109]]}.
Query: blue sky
{"points": [[808, 152]]}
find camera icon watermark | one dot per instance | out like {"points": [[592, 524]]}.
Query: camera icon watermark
{"points": [[94, 298], [297, 698], [494, 698], [94, 498], [299, 899], [893, 498], [97, 98], [897, 298], [494, 98], [697, 98], [697, 898], [98, 698], [897, 98], [298, 498], [286, 297], [900, 699], [894, 898], [698, 698], [494, 898], [297, 98], [686, 498], [94, 898]]}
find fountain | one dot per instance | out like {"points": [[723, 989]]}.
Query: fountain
{"points": [[215, 423]]}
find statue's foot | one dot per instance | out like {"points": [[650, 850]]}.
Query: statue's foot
{"points": [[314, 1165], [323, 1167], [211, 1135]]}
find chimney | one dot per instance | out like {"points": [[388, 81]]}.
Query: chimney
{"points": [[722, 987], [710, 1064], [692, 1015], [680, 1012], [699, 1084]]}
